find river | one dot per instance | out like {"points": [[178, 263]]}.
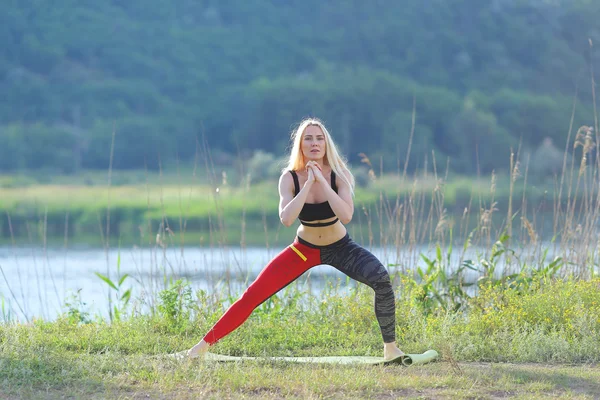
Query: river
{"points": [[38, 283]]}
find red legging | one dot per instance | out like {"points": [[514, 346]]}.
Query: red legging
{"points": [[344, 255], [280, 272]]}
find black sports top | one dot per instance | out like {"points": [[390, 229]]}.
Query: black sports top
{"points": [[315, 211]]}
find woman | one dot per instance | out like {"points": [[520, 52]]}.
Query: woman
{"points": [[316, 187]]}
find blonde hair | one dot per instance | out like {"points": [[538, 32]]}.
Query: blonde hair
{"points": [[332, 157]]}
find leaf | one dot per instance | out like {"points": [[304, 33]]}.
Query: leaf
{"points": [[556, 263], [469, 264], [497, 252], [126, 296], [427, 260], [468, 241], [503, 238], [123, 279], [105, 279], [544, 255]]}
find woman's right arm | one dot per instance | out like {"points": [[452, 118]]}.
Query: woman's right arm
{"points": [[290, 206]]}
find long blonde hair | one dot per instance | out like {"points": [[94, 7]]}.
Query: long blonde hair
{"points": [[332, 157]]}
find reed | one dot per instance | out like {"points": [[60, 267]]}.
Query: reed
{"points": [[406, 216], [500, 225]]}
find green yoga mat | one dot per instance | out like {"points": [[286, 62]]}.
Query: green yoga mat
{"points": [[407, 359]]}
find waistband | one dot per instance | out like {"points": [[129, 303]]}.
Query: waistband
{"points": [[343, 240], [319, 224]]}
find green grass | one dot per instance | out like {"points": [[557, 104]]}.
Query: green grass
{"points": [[115, 376], [531, 334], [538, 340]]}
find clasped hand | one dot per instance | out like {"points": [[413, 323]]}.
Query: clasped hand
{"points": [[315, 174]]}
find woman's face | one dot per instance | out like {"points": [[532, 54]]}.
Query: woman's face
{"points": [[313, 143]]}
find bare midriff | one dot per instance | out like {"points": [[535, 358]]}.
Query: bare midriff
{"points": [[322, 235]]}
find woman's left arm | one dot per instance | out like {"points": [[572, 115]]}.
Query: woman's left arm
{"points": [[341, 202]]}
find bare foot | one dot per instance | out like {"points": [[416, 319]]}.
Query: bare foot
{"points": [[391, 351], [198, 350]]}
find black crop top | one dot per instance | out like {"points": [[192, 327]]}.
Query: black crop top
{"points": [[315, 211]]}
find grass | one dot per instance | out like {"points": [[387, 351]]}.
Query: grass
{"points": [[147, 377], [529, 326], [487, 349], [526, 325]]}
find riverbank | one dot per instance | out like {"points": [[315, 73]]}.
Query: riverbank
{"points": [[200, 213], [528, 337]]}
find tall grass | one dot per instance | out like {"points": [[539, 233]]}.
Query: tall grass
{"points": [[476, 274], [406, 216], [498, 231]]}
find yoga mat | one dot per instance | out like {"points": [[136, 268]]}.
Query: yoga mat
{"points": [[418, 359], [407, 359]]}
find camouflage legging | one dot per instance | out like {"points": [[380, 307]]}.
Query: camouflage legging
{"points": [[345, 255], [361, 265]]}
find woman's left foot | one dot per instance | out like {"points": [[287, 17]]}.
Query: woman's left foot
{"points": [[391, 352]]}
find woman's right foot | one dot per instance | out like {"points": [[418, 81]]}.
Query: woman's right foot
{"points": [[198, 350]]}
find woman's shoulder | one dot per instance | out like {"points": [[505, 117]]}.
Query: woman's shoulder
{"points": [[346, 173], [286, 177], [292, 172]]}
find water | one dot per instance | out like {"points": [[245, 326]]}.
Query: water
{"points": [[35, 282]]}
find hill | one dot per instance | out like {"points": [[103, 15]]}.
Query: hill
{"points": [[482, 76]]}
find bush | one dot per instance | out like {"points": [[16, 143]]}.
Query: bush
{"points": [[176, 304], [264, 166]]}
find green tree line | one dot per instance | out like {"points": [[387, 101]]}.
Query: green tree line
{"points": [[480, 76]]}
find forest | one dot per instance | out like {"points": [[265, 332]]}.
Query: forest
{"points": [[478, 77]]}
